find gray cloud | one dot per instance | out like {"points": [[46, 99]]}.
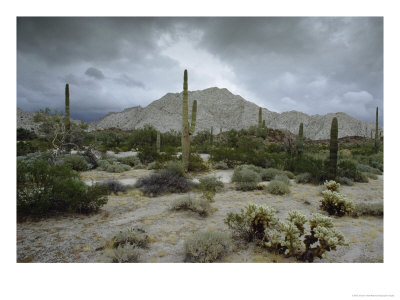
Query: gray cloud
{"points": [[314, 65], [95, 73]]}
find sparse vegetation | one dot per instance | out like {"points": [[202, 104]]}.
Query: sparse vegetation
{"points": [[367, 209], [206, 247], [200, 206], [278, 187]]}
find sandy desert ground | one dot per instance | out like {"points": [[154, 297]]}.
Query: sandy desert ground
{"points": [[79, 238]]}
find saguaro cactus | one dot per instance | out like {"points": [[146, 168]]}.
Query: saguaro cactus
{"points": [[67, 119], [260, 122], [263, 124], [333, 149], [377, 146], [300, 140], [212, 135], [158, 142], [186, 133]]}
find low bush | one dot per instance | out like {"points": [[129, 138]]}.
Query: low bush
{"points": [[246, 177], [44, 189], [289, 174], [332, 185], [345, 181], [132, 236], [367, 209], [113, 186], [75, 162], [303, 178], [200, 206], [210, 186], [269, 174], [124, 254], [221, 165], [196, 163], [283, 178], [371, 176], [132, 161], [176, 166], [206, 247], [112, 165], [165, 181], [348, 168], [336, 204], [278, 187], [308, 164], [368, 169]]}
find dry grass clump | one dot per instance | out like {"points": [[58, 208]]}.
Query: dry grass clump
{"points": [[278, 187], [367, 209], [200, 206], [207, 246]]}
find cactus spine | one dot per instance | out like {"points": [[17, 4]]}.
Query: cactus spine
{"points": [[376, 132], [260, 122], [186, 132], [333, 148], [67, 119], [300, 140], [158, 142]]}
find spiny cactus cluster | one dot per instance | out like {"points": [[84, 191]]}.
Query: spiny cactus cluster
{"points": [[186, 130]]}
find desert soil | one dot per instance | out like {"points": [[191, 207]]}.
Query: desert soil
{"points": [[77, 238]]}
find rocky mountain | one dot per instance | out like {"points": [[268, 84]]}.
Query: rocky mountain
{"points": [[221, 109]]}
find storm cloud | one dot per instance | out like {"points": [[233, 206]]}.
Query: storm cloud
{"points": [[313, 65]]}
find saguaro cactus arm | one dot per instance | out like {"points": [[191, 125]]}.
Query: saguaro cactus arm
{"points": [[194, 115]]}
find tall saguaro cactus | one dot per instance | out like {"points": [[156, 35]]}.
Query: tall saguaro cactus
{"points": [[212, 135], [300, 140], [376, 133], [260, 122], [158, 142], [186, 132], [333, 149], [67, 119]]}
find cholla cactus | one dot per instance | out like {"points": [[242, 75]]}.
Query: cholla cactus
{"points": [[332, 185], [336, 204], [292, 238], [274, 239], [298, 219]]}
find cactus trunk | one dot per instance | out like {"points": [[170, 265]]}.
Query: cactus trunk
{"points": [[260, 118], [300, 140], [212, 135], [67, 118], [333, 149], [376, 133], [186, 132], [158, 142]]}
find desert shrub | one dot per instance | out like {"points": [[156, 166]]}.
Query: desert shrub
{"points": [[345, 181], [126, 245], [148, 154], [75, 162], [113, 186], [289, 174], [308, 164], [25, 147], [367, 209], [368, 169], [112, 165], [332, 185], [270, 173], [151, 166], [348, 168], [45, 189], [283, 178], [124, 254], [130, 160], [277, 187], [176, 166], [25, 134], [221, 165], [335, 203], [371, 176], [196, 163], [246, 177], [210, 186], [206, 246], [303, 178], [251, 222], [377, 165], [167, 180], [200, 206]]}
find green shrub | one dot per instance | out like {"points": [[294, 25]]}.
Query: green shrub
{"points": [[345, 181], [332, 185], [335, 203], [124, 254], [200, 206], [176, 166], [277, 187], [368, 169], [211, 184], [196, 163], [112, 165], [289, 174], [221, 165], [348, 168], [113, 186], [25, 134], [163, 182], [130, 160], [148, 154], [303, 178], [45, 189], [283, 178], [270, 173], [26, 147], [75, 162], [206, 247], [367, 209], [246, 177], [371, 176]]}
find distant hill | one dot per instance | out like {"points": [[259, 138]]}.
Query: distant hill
{"points": [[221, 109]]}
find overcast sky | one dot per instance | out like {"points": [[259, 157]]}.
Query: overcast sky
{"points": [[313, 65]]}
